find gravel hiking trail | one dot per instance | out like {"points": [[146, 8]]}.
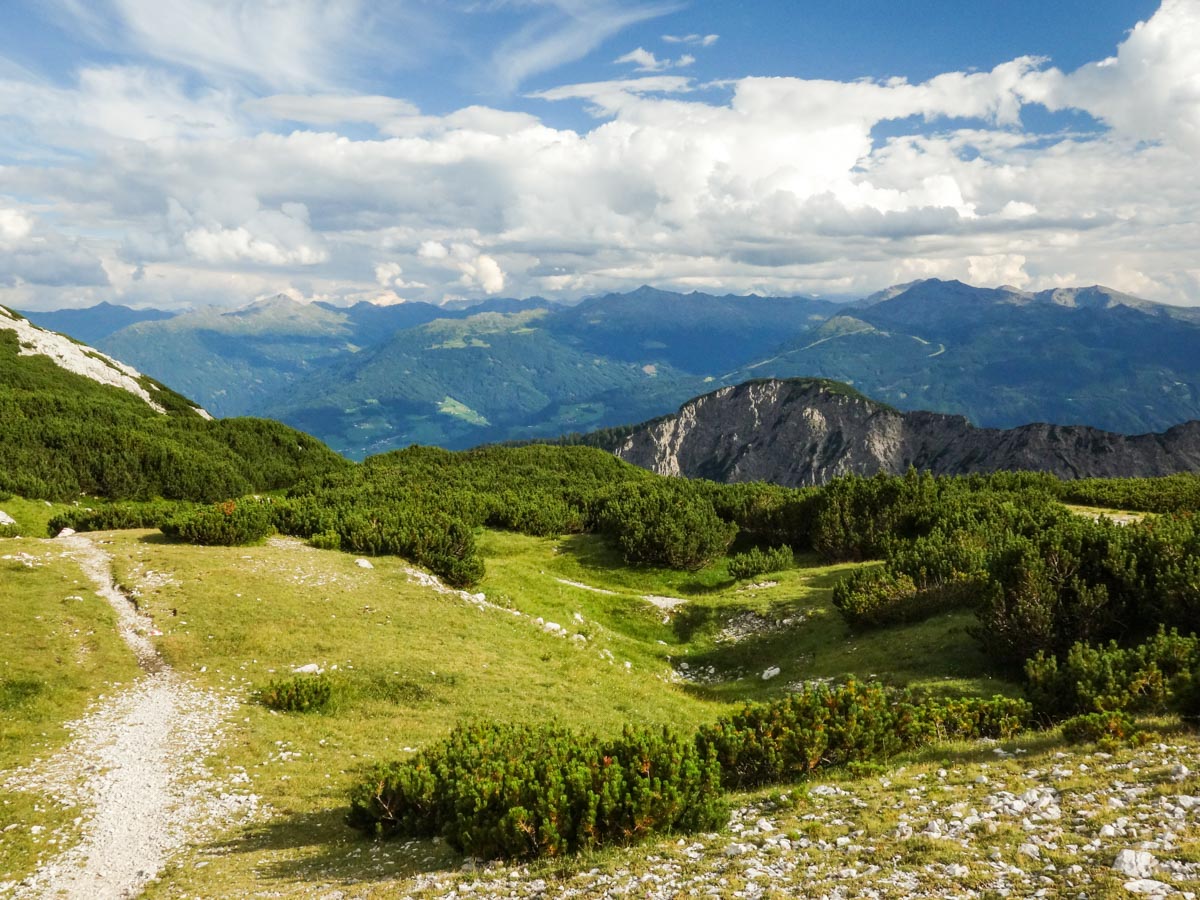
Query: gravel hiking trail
{"points": [[135, 767]]}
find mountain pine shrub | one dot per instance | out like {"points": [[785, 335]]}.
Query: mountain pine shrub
{"points": [[526, 791], [112, 516], [1152, 677], [1105, 728], [301, 693], [229, 524], [829, 726], [756, 561]]}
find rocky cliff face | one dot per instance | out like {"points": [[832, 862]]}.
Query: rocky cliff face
{"points": [[805, 432]]}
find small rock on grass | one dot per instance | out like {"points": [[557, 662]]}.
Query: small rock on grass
{"points": [[1148, 886], [1136, 864]]}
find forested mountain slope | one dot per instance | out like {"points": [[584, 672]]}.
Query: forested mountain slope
{"points": [[77, 421]]}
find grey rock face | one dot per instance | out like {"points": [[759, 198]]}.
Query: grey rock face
{"points": [[806, 432]]}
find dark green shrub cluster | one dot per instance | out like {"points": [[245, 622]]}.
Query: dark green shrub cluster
{"points": [[787, 739], [873, 598], [665, 523], [869, 598], [827, 726], [1153, 677], [112, 516], [301, 693], [520, 791], [1098, 727], [1087, 581], [10, 531], [1169, 494], [228, 524], [756, 561], [964, 719], [326, 540]]}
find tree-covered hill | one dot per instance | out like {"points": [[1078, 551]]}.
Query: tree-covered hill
{"points": [[63, 433]]}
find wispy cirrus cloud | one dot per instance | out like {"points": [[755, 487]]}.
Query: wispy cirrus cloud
{"points": [[696, 40], [564, 31], [301, 44]]}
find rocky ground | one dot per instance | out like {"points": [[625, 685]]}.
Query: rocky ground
{"points": [[1086, 825]]}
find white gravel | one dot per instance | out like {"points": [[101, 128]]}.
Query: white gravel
{"points": [[135, 768]]}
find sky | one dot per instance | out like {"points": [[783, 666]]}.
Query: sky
{"points": [[186, 153]]}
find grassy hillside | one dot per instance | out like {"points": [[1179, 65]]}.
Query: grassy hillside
{"points": [[561, 623], [65, 434], [412, 662]]}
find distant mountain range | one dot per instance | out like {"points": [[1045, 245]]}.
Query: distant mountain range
{"points": [[805, 432], [371, 378]]}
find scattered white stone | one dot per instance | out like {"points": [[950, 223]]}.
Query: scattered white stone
{"points": [[1148, 886], [1134, 863], [1030, 850], [664, 603], [770, 673], [6, 519], [364, 564], [309, 669], [66, 532]]}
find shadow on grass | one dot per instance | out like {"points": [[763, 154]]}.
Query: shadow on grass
{"points": [[320, 846], [595, 554]]}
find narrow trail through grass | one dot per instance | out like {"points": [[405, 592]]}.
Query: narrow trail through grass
{"points": [[134, 767]]}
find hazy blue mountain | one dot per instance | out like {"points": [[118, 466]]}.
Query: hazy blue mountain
{"points": [[232, 361], [696, 332], [460, 382], [94, 323], [1003, 357], [369, 378]]}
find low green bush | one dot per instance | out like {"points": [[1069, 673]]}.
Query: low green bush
{"points": [[868, 598], [876, 598], [229, 524], [767, 743], [829, 726], [757, 561], [1098, 727], [10, 531], [301, 693], [326, 540], [526, 791], [665, 524], [1152, 677], [963, 719], [112, 516]]}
